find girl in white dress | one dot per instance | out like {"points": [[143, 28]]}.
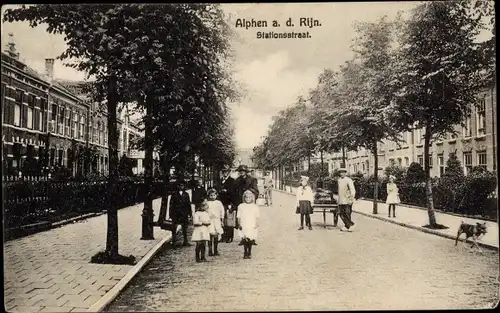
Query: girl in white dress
{"points": [[216, 213], [201, 221], [248, 217], [392, 196]]}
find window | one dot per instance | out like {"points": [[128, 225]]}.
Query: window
{"points": [[418, 136], [481, 118], [430, 160], [407, 161], [40, 120], [54, 112], [467, 162], [420, 159], [18, 96], [400, 161], [17, 114], [481, 159], [30, 117], [408, 138], [60, 122], [441, 164], [467, 129]]}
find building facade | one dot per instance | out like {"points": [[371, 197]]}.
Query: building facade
{"points": [[49, 124], [474, 145]]}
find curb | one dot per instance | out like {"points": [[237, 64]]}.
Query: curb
{"points": [[425, 230], [111, 295], [422, 229]]}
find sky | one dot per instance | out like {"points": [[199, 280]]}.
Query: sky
{"points": [[273, 72]]}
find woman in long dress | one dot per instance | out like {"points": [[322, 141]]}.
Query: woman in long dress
{"points": [[392, 196], [305, 199]]}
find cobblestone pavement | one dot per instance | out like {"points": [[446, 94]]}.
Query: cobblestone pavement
{"points": [[51, 271], [378, 266]]}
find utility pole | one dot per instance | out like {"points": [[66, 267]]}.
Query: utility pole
{"points": [[147, 212]]}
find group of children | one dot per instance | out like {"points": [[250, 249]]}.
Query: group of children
{"points": [[208, 221]]}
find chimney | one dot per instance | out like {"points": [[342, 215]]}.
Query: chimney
{"points": [[11, 47], [49, 68]]}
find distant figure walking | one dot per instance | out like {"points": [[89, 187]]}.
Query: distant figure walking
{"points": [[347, 194], [268, 188], [305, 199], [392, 196]]}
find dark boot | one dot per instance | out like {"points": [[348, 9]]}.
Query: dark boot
{"points": [[210, 253], [202, 257], [216, 252], [197, 251]]}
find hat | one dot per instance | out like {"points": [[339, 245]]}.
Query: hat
{"points": [[226, 169], [302, 177], [392, 176], [180, 181], [242, 168], [342, 169]]}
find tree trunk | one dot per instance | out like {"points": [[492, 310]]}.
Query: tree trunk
{"points": [[321, 171], [343, 157], [111, 206], [147, 212], [166, 182], [309, 163], [428, 182], [375, 176]]}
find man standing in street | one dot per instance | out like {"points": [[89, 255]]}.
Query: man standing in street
{"points": [[180, 211], [346, 196], [198, 194], [268, 188], [227, 196], [246, 182]]}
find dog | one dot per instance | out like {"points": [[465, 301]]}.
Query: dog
{"points": [[473, 231]]}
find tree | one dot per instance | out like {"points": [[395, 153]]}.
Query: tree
{"points": [[439, 73], [128, 50]]}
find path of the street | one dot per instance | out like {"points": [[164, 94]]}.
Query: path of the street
{"points": [[51, 271], [378, 266]]}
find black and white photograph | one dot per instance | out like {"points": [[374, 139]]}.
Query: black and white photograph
{"points": [[203, 157]]}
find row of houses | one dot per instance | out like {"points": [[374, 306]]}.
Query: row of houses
{"points": [[53, 123], [475, 144]]}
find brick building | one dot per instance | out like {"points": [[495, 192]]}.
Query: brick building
{"points": [[47, 123], [475, 145]]}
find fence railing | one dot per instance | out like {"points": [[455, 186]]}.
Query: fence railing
{"points": [[35, 201]]}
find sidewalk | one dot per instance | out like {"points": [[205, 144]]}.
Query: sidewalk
{"points": [[416, 218], [51, 271]]}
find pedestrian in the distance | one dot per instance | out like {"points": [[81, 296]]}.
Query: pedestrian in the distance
{"points": [[248, 216], [346, 196], [392, 195], [305, 200], [268, 188], [216, 213], [180, 211], [201, 235]]}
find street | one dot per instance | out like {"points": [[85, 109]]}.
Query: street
{"points": [[379, 266]]}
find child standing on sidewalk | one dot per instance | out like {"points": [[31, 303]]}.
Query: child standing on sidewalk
{"points": [[392, 196], [216, 213], [248, 216], [201, 221]]}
